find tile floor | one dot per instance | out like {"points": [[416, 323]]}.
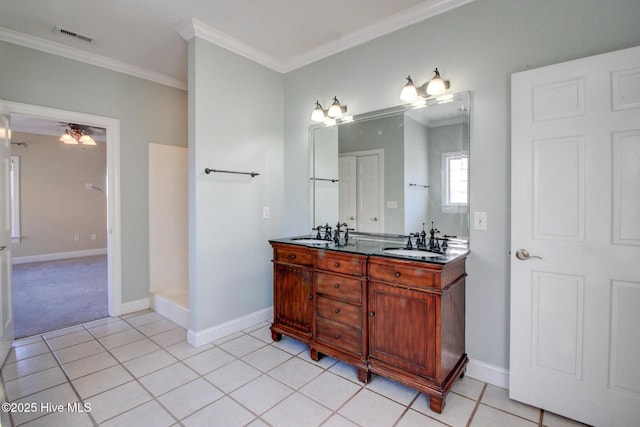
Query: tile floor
{"points": [[138, 370]]}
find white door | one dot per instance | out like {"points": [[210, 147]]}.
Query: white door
{"points": [[6, 303], [575, 203], [347, 191], [369, 213]]}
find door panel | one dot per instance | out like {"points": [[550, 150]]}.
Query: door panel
{"points": [[574, 207], [6, 303], [369, 214], [347, 184]]}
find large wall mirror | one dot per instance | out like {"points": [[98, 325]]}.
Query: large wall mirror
{"points": [[392, 170]]}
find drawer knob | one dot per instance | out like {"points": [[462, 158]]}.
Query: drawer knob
{"points": [[337, 264], [292, 256], [310, 297], [397, 274], [337, 285], [337, 310], [337, 336], [371, 314]]}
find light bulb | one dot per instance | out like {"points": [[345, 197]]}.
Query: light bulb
{"points": [[317, 115], [335, 110], [436, 85], [409, 92]]}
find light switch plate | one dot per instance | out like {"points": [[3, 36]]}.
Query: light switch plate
{"points": [[266, 212], [480, 220]]}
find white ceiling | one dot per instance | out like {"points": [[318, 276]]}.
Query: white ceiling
{"points": [[141, 37]]}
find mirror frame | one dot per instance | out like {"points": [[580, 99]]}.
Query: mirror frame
{"points": [[382, 113]]}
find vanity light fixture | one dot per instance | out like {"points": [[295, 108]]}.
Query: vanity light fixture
{"points": [[335, 111], [433, 87]]}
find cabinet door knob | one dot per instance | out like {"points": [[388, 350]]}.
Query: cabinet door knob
{"points": [[397, 274], [337, 264], [337, 285], [337, 310], [337, 336], [310, 297], [371, 314], [292, 256]]}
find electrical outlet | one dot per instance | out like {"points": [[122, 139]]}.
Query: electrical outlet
{"points": [[480, 220], [88, 186], [266, 212], [76, 237], [93, 236]]}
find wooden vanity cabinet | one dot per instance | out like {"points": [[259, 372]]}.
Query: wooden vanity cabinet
{"points": [[339, 314], [416, 324], [292, 292], [401, 319]]}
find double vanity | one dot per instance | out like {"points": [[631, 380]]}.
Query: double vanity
{"points": [[371, 303]]}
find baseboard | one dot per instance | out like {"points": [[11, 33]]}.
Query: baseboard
{"points": [[214, 333], [133, 306], [171, 310], [58, 255], [488, 373]]}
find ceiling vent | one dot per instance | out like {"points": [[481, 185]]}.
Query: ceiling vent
{"points": [[73, 34]]}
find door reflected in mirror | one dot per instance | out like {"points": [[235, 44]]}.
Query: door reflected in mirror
{"points": [[393, 170]]}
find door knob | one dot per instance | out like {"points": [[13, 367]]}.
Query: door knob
{"points": [[352, 218], [375, 218], [523, 255], [2, 248]]}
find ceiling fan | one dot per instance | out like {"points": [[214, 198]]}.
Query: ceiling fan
{"points": [[77, 134]]}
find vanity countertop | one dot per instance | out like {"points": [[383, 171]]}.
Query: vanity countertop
{"points": [[374, 245]]}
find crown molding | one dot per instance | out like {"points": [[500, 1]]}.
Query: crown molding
{"points": [[420, 12], [195, 28], [54, 48], [413, 15]]}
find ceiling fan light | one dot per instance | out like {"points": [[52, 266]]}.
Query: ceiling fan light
{"points": [[436, 85], [87, 140], [408, 92], [335, 110], [68, 139]]}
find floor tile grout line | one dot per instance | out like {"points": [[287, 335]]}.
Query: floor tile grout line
{"points": [[4, 389], [475, 407], [137, 380], [66, 375]]}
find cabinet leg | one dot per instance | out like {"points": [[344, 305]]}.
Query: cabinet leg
{"points": [[436, 403], [314, 354], [364, 375], [276, 336]]}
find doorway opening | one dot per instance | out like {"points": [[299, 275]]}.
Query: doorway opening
{"points": [[95, 268]]}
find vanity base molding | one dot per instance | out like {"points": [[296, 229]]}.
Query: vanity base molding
{"points": [[401, 319]]}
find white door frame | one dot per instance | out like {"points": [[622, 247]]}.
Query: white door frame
{"points": [[114, 285]]}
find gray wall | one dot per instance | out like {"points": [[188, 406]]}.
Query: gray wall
{"points": [[148, 112], [236, 129], [477, 46]]}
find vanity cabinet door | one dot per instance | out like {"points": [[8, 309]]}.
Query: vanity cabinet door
{"points": [[292, 299], [402, 328]]}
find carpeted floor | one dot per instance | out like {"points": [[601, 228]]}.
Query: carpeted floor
{"points": [[54, 294]]}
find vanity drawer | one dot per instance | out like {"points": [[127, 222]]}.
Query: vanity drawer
{"points": [[401, 272], [293, 255], [341, 312], [350, 264], [340, 287], [340, 337]]}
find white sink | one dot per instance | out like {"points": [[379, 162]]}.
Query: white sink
{"points": [[312, 241], [410, 252]]}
